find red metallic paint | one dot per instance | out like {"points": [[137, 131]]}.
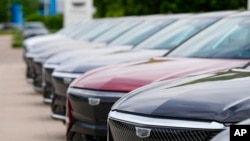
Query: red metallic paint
{"points": [[134, 75]]}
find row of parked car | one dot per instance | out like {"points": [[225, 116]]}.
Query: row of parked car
{"points": [[182, 77]]}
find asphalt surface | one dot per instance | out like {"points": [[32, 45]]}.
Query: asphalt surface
{"points": [[23, 115]]}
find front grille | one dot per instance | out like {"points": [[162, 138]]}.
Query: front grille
{"points": [[122, 131], [48, 74], [30, 68], [38, 75], [59, 86]]}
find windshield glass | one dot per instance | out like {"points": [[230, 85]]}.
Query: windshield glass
{"points": [[116, 31], [141, 32], [65, 29], [229, 38], [177, 33], [72, 27], [248, 67], [85, 29], [98, 30]]}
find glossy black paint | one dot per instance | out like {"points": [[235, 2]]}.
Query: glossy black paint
{"points": [[48, 87], [37, 74], [77, 66], [86, 118], [222, 97], [58, 104], [29, 68]]}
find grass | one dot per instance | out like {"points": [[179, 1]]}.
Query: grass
{"points": [[17, 37]]}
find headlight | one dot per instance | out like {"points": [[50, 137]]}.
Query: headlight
{"points": [[50, 66], [67, 80], [95, 93], [65, 75], [30, 55], [39, 59]]}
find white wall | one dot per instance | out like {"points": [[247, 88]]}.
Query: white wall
{"points": [[60, 6], [78, 10], [248, 4]]}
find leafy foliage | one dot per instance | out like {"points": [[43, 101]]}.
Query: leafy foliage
{"points": [[111, 8], [29, 7], [52, 22]]}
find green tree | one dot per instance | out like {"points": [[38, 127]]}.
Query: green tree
{"points": [[29, 7], [111, 8], [5, 10]]}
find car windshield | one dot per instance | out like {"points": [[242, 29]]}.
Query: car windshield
{"points": [[141, 32], [84, 29], [248, 67], [177, 33], [228, 38], [98, 30], [69, 28], [116, 31]]}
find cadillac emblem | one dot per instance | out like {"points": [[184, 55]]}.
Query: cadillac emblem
{"points": [[142, 132], [94, 101], [67, 80]]}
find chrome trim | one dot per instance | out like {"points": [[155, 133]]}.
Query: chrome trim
{"points": [[47, 100], [94, 93], [65, 74], [241, 70], [39, 60], [29, 80], [164, 122], [143, 132], [30, 55], [58, 117], [50, 66]]}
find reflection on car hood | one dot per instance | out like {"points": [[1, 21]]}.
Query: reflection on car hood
{"points": [[65, 56], [133, 75], [32, 42], [222, 97], [87, 49], [83, 64], [57, 45]]}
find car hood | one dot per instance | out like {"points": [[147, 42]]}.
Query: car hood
{"points": [[83, 64], [87, 51], [222, 97], [65, 56], [32, 42], [57, 44], [133, 75]]}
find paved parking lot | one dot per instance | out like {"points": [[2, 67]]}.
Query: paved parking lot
{"points": [[23, 116]]}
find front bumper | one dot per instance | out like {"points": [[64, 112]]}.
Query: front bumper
{"points": [[124, 127], [90, 110], [88, 131], [60, 83]]}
